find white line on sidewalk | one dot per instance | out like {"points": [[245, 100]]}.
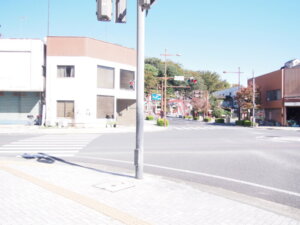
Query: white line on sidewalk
{"points": [[208, 175]]}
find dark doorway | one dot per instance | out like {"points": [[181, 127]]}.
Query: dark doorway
{"points": [[293, 116]]}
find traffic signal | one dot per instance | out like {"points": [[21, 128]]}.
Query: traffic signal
{"points": [[104, 10], [192, 80], [146, 4], [121, 11]]}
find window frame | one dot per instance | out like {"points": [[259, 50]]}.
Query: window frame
{"points": [[66, 74], [125, 85], [65, 113], [273, 95], [99, 80]]}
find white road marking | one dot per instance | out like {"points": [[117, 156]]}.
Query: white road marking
{"points": [[56, 145], [37, 148], [210, 176], [31, 151], [42, 145]]}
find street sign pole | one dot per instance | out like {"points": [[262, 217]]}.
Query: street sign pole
{"points": [[139, 150]]}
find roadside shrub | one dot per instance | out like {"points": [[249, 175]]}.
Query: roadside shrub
{"points": [[188, 117], [161, 122], [196, 118], [207, 119], [150, 117], [247, 123], [239, 122], [219, 120]]}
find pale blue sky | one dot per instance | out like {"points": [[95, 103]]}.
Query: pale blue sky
{"points": [[214, 35]]}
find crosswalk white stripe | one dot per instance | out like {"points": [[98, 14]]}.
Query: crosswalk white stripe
{"points": [[42, 148], [48, 143], [56, 145], [58, 139], [42, 145], [19, 152]]}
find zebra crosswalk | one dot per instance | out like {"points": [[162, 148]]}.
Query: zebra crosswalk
{"points": [[57, 145]]}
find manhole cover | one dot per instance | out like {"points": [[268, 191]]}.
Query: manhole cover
{"points": [[114, 186]]}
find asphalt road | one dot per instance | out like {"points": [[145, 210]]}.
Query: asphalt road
{"points": [[263, 163]]}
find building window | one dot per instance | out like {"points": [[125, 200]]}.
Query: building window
{"points": [[105, 77], [273, 95], [105, 106], [65, 71], [127, 80], [65, 109]]}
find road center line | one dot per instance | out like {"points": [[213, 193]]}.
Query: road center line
{"points": [[208, 175]]}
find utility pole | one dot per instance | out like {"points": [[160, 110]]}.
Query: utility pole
{"points": [[239, 88], [253, 98], [165, 85]]}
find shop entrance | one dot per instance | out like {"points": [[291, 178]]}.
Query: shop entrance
{"points": [[293, 116]]}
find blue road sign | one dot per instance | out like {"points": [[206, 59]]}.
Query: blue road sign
{"points": [[156, 97]]}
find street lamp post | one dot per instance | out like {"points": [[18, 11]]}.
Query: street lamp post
{"points": [[239, 87], [165, 85]]}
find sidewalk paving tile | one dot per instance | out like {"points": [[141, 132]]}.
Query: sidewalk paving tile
{"points": [[153, 200]]}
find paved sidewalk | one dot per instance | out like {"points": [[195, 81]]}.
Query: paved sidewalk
{"points": [[35, 193]]}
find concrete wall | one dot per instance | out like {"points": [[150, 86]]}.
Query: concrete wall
{"points": [[21, 66], [268, 82], [82, 89]]}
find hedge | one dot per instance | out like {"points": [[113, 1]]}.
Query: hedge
{"points": [[161, 122], [219, 120], [239, 122], [150, 117], [246, 123], [207, 119]]}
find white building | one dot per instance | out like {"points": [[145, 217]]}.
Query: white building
{"points": [[21, 80], [88, 80]]}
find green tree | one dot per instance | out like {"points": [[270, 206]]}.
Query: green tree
{"points": [[151, 81], [158, 64], [213, 81]]}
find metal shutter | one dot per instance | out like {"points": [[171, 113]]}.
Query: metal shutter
{"points": [[105, 106]]}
